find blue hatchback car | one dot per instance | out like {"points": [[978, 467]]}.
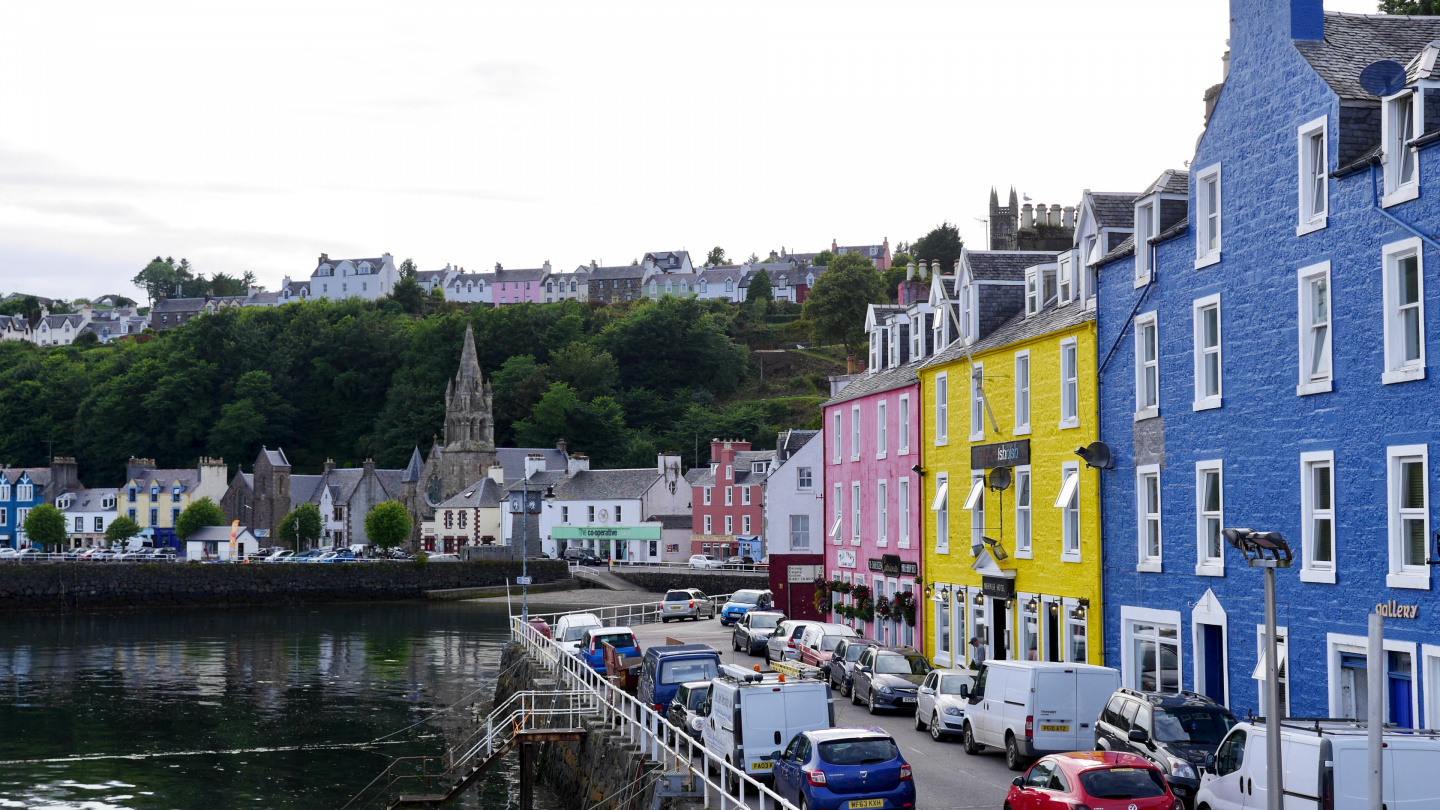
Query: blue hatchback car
{"points": [[845, 769], [742, 602]]}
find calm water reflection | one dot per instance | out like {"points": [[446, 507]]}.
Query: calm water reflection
{"points": [[183, 708]]}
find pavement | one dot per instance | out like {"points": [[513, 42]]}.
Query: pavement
{"points": [[945, 777]]}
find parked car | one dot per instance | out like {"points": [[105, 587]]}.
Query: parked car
{"points": [[704, 561], [442, 557], [343, 555], [682, 709], [621, 638], [782, 644], [283, 555], [839, 768], [742, 601], [939, 706], [688, 603], [753, 629], [323, 557], [571, 627], [306, 556], [841, 666], [749, 715], [6, 551], [1033, 708], [665, 668], [31, 554], [1175, 732], [1091, 780], [818, 643], [888, 678], [582, 556], [739, 563]]}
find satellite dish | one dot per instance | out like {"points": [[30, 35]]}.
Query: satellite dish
{"points": [[1096, 454], [1000, 478], [1383, 78]]}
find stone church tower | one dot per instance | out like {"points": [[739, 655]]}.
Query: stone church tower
{"points": [[468, 451]]}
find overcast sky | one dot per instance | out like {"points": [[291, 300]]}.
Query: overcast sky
{"points": [[257, 137]]}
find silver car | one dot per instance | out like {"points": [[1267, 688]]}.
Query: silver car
{"points": [[941, 708], [687, 603], [784, 643]]}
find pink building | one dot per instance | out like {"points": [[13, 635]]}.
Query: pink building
{"points": [[728, 500], [519, 286], [872, 494]]}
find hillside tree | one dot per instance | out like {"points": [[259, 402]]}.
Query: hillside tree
{"points": [[1425, 8], [942, 244], [715, 256], [760, 288], [839, 301]]}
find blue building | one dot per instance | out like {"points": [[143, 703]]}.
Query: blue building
{"points": [[1263, 363], [24, 488]]}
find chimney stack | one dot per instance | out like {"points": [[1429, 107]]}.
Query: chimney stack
{"points": [[329, 464], [1027, 216], [1069, 216], [369, 465], [497, 474], [534, 463], [578, 462]]}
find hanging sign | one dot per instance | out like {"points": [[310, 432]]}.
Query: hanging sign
{"points": [[999, 587], [845, 557]]}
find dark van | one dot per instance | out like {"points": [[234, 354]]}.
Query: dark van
{"points": [[665, 668]]}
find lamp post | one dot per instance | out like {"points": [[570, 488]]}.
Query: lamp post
{"points": [[1267, 550]]}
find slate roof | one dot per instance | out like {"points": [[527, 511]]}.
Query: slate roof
{"points": [[1170, 181], [414, 468], [1113, 210], [178, 305], [276, 457], [375, 263], [39, 476], [90, 500], [217, 534], [342, 483], [589, 485], [58, 321], [673, 521], [526, 274], [866, 384], [461, 279], [432, 276], [662, 257], [1353, 41], [1172, 231], [302, 487], [635, 271], [188, 477], [513, 460], [484, 493], [1120, 251], [1005, 265], [1018, 329], [790, 441], [718, 275], [263, 299]]}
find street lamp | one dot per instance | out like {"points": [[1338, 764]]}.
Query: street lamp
{"points": [[1267, 550]]}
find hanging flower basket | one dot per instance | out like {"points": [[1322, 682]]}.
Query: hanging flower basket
{"points": [[904, 607], [884, 608]]}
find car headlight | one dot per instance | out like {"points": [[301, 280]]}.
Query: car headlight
{"points": [[886, 690], [1181, 768], [955, 711]]}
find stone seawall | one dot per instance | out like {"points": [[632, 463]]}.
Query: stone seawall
{"points": [[713, 583], [106, 585]]}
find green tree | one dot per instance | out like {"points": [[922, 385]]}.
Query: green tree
{"points": [[408, 269], [27, 307], [592, 372], [840, 299], [122, 528], [753, 258], [1426, 8], [940, 245], [518, 387], [550, 418], [716, 256], [901, 259], [822, 259], [696, 346], [45, 526], [387, 525], [301, 528], [157, 279], [409, 295], [760, 287], [86, 339], [198, 515], [257, 413]]}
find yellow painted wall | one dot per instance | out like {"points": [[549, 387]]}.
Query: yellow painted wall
{"points": [[143, 504], [1050, 447]]}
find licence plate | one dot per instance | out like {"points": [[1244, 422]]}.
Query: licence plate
{"points": [[762, 766], [1052, 727], [908, 700], [857, 803]]}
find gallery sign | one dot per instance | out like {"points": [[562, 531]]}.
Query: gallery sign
{"points": [[1000, 454], [1395, 610]]}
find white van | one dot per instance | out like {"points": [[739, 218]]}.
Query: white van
{"points": [[1032, 708], [1317, 755], [750, 717], [571, 627]]}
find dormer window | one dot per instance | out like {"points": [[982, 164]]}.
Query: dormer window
{"points": [[1067, 281], [154, 494], [875, 350], [1313, 183], [729, 285], [966, 311], [1402, 173], [1032, 291], [1049, 289], [758, 467], [175, 494], [1144, 230]]}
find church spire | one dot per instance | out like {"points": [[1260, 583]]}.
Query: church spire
{"points": [[469, 362]]}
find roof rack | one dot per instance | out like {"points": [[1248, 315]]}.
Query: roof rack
{"points": [[1344, 725]]}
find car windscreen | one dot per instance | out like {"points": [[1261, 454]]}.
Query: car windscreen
{"points": [[575, 631], [1197, 726], [745, 598], [829, 643], [1123, 783], [761, 622], [858, 752], [682, 671], [617, 640], [950, 684], [697, 696], [678, 596], [852, 652], [896, 664]]}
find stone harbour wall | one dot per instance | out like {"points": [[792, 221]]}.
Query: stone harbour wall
{"points": [[709, 582], [84, 585]]}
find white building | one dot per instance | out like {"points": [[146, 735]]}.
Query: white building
{"points": [[723, 281], [213, 543], [353, 278], [794, 495], [469, 288], [88, 513]]}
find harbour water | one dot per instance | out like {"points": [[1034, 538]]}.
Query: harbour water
{"points": [[285, 707]]}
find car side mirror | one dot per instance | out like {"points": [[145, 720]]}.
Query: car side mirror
{"points": [[927, 691], [1138, 736], [964, 690], [703, 709], [1018, 781], [1209, 762]]}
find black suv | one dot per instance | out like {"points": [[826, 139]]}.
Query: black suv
{"points": [[1174, 731], [583, 556]]}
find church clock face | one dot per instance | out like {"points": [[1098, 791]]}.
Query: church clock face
{"points": [[432, 489]]}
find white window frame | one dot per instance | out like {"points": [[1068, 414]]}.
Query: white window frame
{"points": [[942, 409], [1336, 643], [1397, 368], [1204, 402], [976, 508], [1069, 378], [881, 437], [1312, 570], [1070, 516], [904, 424], [855, 513], [941, 508], [730, 525], [1065, 279], [744, 523], [882, 513], [1129, 615], [839, 437], [1024, 514], [1147, 368], [977, 402], [835, 533], [796, 533], [1394, 142], [805, 479], [903, 499], [1282, 646], [855, 432], [729, 496], [1206, 565], [1147, 562], [1022, 392], [1209, 228], [1145, 220], [1402, 575], [1314, 174], [1315, 380], [1032, 291], [708, 495], [744, 496]]}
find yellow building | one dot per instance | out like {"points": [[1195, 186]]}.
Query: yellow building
{"points": [[1012, 537], [154, 498]]}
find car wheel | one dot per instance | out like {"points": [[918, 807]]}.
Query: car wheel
{"points": [[919, 722], [735, 642], [847, 689], [936, 732], [804, 805], [1013, 759], [767, 655], [664, 620], [968, 738], [870, 703]]}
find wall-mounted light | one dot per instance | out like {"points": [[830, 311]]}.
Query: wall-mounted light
{"points": [[1033, 605], [1080, 610], [1054, 608], [979, 598], [996, 550]]}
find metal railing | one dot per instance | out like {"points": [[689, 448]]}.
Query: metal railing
{"points": [[630, 615], [631, 565], [657, 738]]}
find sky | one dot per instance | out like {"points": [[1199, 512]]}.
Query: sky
{"points": [[257, 136]]}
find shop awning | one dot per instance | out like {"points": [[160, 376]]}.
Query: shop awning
{"points": [[941, 495], [977, 491], [1067, 490]]}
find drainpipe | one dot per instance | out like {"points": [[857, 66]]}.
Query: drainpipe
{"points": [[1375, 206]]}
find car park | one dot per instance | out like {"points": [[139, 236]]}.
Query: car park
{"points": [[571, 627], [663, 669], [742, 601], [283, 555], [582, 556], [1033, 708], [781, 646], [843, 768], [1175, 732], [704, 561], [306, 556], [592, 652], [343, 555], [686, 603], [888, 678], [739, 563], [749, 716], [842, 662], [1097, 779], [940, 706], [753, 629], [818, 642]]}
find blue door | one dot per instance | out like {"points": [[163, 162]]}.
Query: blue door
{"points": [[1213, 642], [1399, 686]]}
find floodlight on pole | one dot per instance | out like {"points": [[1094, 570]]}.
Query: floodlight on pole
{"points": [[1267, 550]]}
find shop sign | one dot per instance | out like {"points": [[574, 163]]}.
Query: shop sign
{"points": [[1395, 610], [892, 566], [845, 557], [998, 587], [801, 574], [651, 532], [1000, 454]]}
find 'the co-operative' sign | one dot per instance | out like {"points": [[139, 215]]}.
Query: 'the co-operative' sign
{"points": [[606, 532]]}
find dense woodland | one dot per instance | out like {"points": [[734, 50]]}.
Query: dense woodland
{"points": [[354, 380]]}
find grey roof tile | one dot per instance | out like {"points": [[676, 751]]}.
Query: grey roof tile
{"points": [[1005, 265], [1018, 329], [602, 484], [1113, 210], [1170, 181], [674, 521], [1353, 41], [867, 384], [1120, 251]]}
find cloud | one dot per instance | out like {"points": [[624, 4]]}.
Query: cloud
{"points": [[503, 79]]}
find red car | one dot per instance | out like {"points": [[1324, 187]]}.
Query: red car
{"points": [[1099, 780]]}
